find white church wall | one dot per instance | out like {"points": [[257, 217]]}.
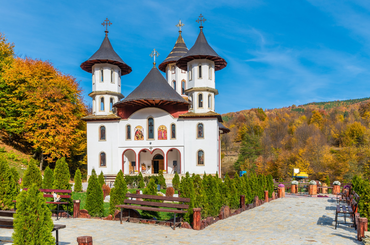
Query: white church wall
{"points": [[108, 84], [208, 77], [209, 144], [96, 146], [173, 73]]}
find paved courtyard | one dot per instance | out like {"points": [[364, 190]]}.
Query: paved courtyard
{"points": [[283, 221]]}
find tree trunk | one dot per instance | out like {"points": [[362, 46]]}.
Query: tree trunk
{"points": [[41, 160]]}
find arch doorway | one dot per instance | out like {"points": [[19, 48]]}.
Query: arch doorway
{"points": [[157, 164]]}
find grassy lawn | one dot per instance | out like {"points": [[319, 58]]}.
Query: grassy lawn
{"points": [[82, 197]]}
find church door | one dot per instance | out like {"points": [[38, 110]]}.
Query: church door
{"points": [[157, 164]]}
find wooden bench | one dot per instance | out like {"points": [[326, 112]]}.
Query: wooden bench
{"points": [[139, 204], [68, 196], [346, 209], [109, 179], [7, 223]]}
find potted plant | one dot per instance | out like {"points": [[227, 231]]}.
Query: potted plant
{"points": [[336, 187], [313, 188], [294, 186], [281, 190]]}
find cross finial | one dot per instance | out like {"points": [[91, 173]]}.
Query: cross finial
{"points": [[153, 55], [106, 23], [201, 20], [179, 25]]}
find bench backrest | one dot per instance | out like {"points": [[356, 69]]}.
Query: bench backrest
{"points": [[54, 190], [6, 213], [163, 198]]}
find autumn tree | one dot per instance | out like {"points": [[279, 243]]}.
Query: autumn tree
{"points": [[42, 107]]}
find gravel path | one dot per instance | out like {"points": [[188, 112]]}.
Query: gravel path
{"points": [[284, 221]]}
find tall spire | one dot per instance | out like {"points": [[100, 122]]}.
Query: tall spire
{"points": [[106, 23], [177, 52]]}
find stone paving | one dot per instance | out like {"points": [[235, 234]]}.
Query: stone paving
{"points": [[301, 220]]}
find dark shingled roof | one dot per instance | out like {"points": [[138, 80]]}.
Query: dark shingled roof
{"points": [[106, 54], [101, 117], [223, 128], [201, 50], [178, 51], [153, 91]]}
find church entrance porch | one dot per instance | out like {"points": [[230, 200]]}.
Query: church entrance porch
{"points": [[128, 161], [173, 161], [157, 164], [151, 162]]}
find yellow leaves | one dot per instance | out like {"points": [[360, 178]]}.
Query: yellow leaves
{"points": [[316, 119]]}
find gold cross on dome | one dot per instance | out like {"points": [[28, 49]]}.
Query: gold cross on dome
{"points": [[201, 20], [106, 23], [179, 25], [154, 54]]}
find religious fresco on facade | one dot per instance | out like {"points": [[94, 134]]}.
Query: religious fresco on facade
{"points": [[139, 133], [162, 132]]}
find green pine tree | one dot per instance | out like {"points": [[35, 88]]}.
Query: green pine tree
{"points": [[187, 191], [32, 222], [48, 181], [15, 174], [231, 193], [200, 200], [32, 175], [94, 197], [176, 181], [9, 187], [78, 182], [211, 186], [250, 149], [270, 184], [161, 180], [141, 181], [93, 172], [101, 179], [117, 193], [61, 182]]}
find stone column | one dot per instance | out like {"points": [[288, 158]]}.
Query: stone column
{"points": [[281, 192], [361, 228], [76, 208], [336, 189], [266, 196], [196, 218], [242, 202], [84, 240], [312, 190]]}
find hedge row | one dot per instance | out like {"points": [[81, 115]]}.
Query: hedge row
{"points": [[362, 188]]}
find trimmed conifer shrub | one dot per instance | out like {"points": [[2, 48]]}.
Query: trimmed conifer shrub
{"points": [[15, 174], [161, 180], [32, 175], [9, 187], [211, 186], [117, 193], [150, 189], [141, 181], [78, 183], [93, 172], [187, 191], [32, 221], [231, 193], [270, 185], [61, 181], [200, 196], [101, 179], [48, 181], [94, 197], [176, 181]]}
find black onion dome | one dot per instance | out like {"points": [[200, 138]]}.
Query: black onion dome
{"points": [[106, 54], [201, 50], [178, 51], [153, 91]]}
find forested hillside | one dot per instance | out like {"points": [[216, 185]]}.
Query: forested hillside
{"points": [[323, 139]]}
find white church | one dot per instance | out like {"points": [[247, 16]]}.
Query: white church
{"points": [[167, 124]]}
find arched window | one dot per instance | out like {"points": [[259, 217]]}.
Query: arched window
{"points": [[150, 128], [103, 160], [93, 77], [111, 76], [111, 102], [101, 75], [102, 104], [173, 69], [210, 73], [183, 87], [200, 129], [174, 84], [128, 132], [200, 70], [173, 131], [200, 100], [210, 101], [190, 75], [119, 78], [200, 156], [102, 133], [94, 106]]}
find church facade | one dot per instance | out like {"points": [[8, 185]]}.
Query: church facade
{"points": [[167, 124]]}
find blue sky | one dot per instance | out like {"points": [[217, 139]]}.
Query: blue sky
{"points": [[279, 52]]}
